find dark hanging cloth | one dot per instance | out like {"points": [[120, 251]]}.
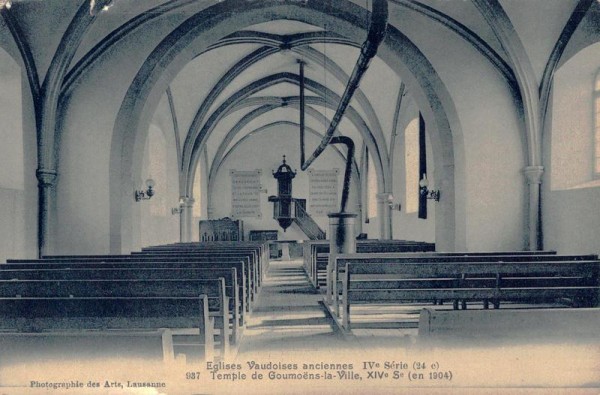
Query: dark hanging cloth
{"points": [[422, 167]]}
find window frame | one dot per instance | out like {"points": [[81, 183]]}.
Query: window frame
{"points": [[596, 125]]}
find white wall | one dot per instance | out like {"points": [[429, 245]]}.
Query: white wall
{"points": [[489, 186], [157, 224], [408, 226], [572, 130], [571, 196], [18, 153], [88, 121], [264, 151]]}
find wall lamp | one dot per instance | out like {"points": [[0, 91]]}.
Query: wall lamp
{"points": [[178, 210], [393, 206], [433, 194], [148, 193]]}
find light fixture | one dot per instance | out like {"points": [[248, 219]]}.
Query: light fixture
{"points": [[395, 206], [178, 210], [148, 193], [5, 4], [433, 194], [390, 202]]}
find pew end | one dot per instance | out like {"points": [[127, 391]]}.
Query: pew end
{"points": [[551, 325]]}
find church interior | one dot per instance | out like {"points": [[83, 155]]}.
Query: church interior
{"points": [[433, 163]]}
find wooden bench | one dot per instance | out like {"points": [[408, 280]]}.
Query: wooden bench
{"points": [[218, 303], [244, 278], [260, 250], [530, 282], [225, 259], [475, 326], [316, 254], [232, 290], [441, 258], [235, 284], [250, 256], [253, 264], [251, 267], [256, 253], [182, 324]]}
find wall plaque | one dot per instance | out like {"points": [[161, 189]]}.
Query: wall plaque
{"points": [[245, 194], [323, 191]]}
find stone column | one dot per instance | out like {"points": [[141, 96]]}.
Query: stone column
{"points": [[46, 181], [188, 212], [385, 215], [533, 175], [358, 226], [182, 219], [341, 241]]}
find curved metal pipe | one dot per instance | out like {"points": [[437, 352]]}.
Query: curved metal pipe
{"points": [[377, 31], [302, 110], [348, 171]]}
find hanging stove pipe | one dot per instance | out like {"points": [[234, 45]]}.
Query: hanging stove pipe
{"points": [[341, 225], [377, 31]]}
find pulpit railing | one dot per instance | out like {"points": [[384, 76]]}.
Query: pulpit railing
{"points": [[306, 222]]}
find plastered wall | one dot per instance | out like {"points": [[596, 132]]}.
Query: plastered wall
{"points": [[18, 192], [571, 193], [264, 151]]}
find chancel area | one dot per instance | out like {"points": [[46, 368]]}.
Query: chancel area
{"points": [[192, 188]]}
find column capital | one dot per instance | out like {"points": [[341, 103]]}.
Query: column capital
{"points": [[188, 201], [533, 174], [46, 178]]}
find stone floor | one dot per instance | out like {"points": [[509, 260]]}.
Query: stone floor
{"points": [[288, 316]]}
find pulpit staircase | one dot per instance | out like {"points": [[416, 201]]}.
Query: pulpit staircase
{"points": [[305, 222]]}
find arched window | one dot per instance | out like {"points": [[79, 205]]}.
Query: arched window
{"points": [[198, 192], [13, 191], [596, 113], [371, 187], [12, 171], [411, 160]]}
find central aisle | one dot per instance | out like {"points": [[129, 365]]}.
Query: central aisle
{"points": [[288, 317]]}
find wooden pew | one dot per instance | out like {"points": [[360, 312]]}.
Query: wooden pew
{"points": [[324, 270], [316, 253], [393, 283], [239, 305], [260, 250], [250, 257], [319, 254], [442, 258], [251, 266], [475, 326], [182, 323], [236, 308], [244, 278], [258, 253], [218, 303]]}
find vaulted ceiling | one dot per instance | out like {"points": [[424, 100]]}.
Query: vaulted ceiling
{"points": [[269, 53]]}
